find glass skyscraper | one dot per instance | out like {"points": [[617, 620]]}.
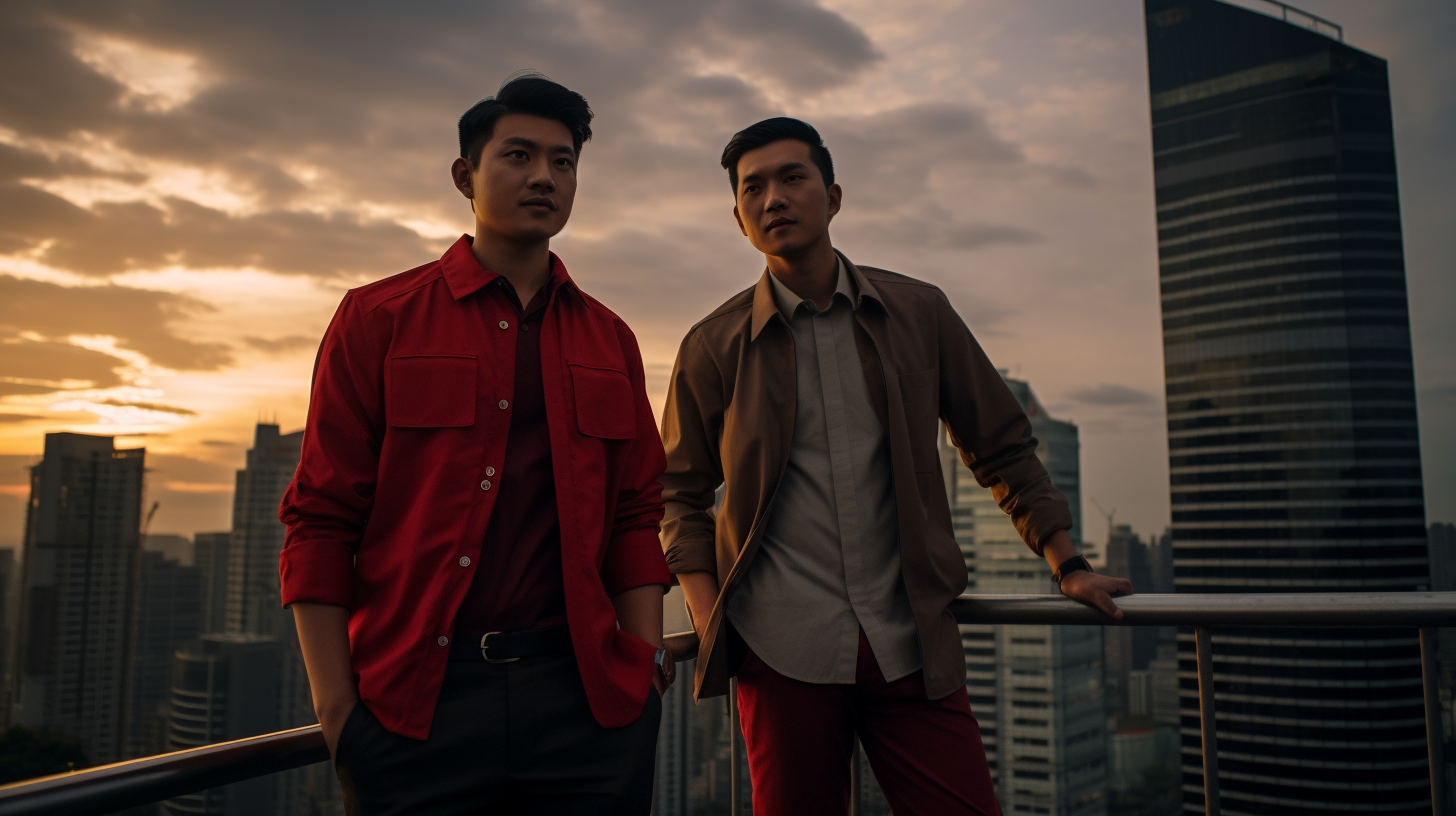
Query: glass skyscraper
{"points": [[1035, 689], [1291, 402]]}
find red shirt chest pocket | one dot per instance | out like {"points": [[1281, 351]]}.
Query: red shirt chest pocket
{"points": [[604, 404], [431, 391]]}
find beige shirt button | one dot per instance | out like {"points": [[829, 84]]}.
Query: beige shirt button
{"points": [[503, 405], [485, 484], [490, 471], [464, 560], [504, 325], [443, 641]]}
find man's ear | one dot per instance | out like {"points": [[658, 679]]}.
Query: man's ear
{"points": [[739, 219], [836, 196], [461, 172]]}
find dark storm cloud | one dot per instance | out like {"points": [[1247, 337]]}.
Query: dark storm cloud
{"points": [[138, 318]]}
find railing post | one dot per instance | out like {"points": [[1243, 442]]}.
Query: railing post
{"points": [[1207, 728], [1435, 749], [735, 773], [855, 804]]}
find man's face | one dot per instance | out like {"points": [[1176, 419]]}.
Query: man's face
{"points": [[524, 183], [782, 204]]}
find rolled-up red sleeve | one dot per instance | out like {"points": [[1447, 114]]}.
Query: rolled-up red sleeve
{"points": [[634, 555], [332, 494]]}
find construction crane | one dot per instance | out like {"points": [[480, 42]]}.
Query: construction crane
{"points": [[147, 522], [1109, 514]]}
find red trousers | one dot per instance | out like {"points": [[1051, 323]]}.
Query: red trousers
{"points": [[926, 754]]}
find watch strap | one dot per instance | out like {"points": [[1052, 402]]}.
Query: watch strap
{"points": [[1072, 564]]}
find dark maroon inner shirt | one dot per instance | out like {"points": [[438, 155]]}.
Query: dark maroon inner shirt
{"points": [[517, 583]]}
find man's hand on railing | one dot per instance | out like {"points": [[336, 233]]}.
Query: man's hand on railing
{"points": [[1080, 584], [1096, 591]]}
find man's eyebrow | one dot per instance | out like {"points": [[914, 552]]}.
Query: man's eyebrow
{"points": [[522, 141], [783, 168]]}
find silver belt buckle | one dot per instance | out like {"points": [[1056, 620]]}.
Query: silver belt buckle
{"points": [[485, 653]]}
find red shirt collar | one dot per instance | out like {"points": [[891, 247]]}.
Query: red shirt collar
{"points": [[465, 276]]}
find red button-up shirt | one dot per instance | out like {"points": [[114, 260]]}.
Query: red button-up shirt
{"points": [[410, 412]]}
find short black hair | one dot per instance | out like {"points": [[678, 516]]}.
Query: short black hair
{"points": [[525, 93], [772, 130]]}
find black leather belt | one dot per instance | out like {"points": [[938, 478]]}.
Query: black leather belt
{"points": [[508, 647]]}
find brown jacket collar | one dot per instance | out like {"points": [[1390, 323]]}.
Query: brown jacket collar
{"points": [[765, 308]]}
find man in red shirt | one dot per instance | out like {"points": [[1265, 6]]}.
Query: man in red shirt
{"points": [[472, 556]]}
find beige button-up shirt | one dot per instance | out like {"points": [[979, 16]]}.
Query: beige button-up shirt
{"points": [[829, 561]]}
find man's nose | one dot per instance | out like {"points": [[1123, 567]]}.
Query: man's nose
{"points": [[540, 178]]}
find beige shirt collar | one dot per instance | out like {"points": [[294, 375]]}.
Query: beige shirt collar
{"points": [[788, 302]]}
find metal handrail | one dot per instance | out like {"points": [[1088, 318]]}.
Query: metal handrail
{"points": [[125, 784]]}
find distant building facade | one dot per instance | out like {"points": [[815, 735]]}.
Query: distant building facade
{"points": [[252, 603], [8, 582], [1293, 449], [211, 556], [74, 652], [167, 618], [225, 688], [1036, 690]]}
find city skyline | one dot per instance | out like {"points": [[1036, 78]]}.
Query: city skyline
{"points": [[187, 201]]}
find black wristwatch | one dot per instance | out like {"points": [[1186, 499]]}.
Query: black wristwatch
{"points": [[1072, 564]]}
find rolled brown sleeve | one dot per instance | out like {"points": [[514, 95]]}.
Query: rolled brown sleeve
{"points": [[691, 424], [988, 425]]}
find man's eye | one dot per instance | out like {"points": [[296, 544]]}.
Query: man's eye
{"points": [[518, 154]]}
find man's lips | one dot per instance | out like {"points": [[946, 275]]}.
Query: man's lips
{"points": [[540, 202], [779, 222]]}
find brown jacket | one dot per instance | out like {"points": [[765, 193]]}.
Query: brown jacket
{"points": [[730, 419]]}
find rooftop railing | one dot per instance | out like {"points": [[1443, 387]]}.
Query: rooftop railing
{"points": [[1290, 14], [115, 787]]}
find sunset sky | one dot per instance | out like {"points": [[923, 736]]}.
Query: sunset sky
{"points": [[187, 189]]}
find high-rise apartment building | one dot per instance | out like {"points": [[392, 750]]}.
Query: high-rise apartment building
{"points": [[1291, 402], [1036, 690], [166, 619], [253, 602], [81, 545], [211, 557]]}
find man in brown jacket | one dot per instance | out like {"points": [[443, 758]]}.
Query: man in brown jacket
{"points": [[824, 580]]}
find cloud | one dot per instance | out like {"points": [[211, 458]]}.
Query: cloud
{"points": [[1109, 394], [29, 366], [138, 318], [148, 406], [6, 418], [282, 345]]}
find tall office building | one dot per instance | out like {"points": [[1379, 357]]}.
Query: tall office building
{"points": [[81, 544], [1291, 407], [1036, 690], [253, 602], [166, 619], [211, 557]]}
